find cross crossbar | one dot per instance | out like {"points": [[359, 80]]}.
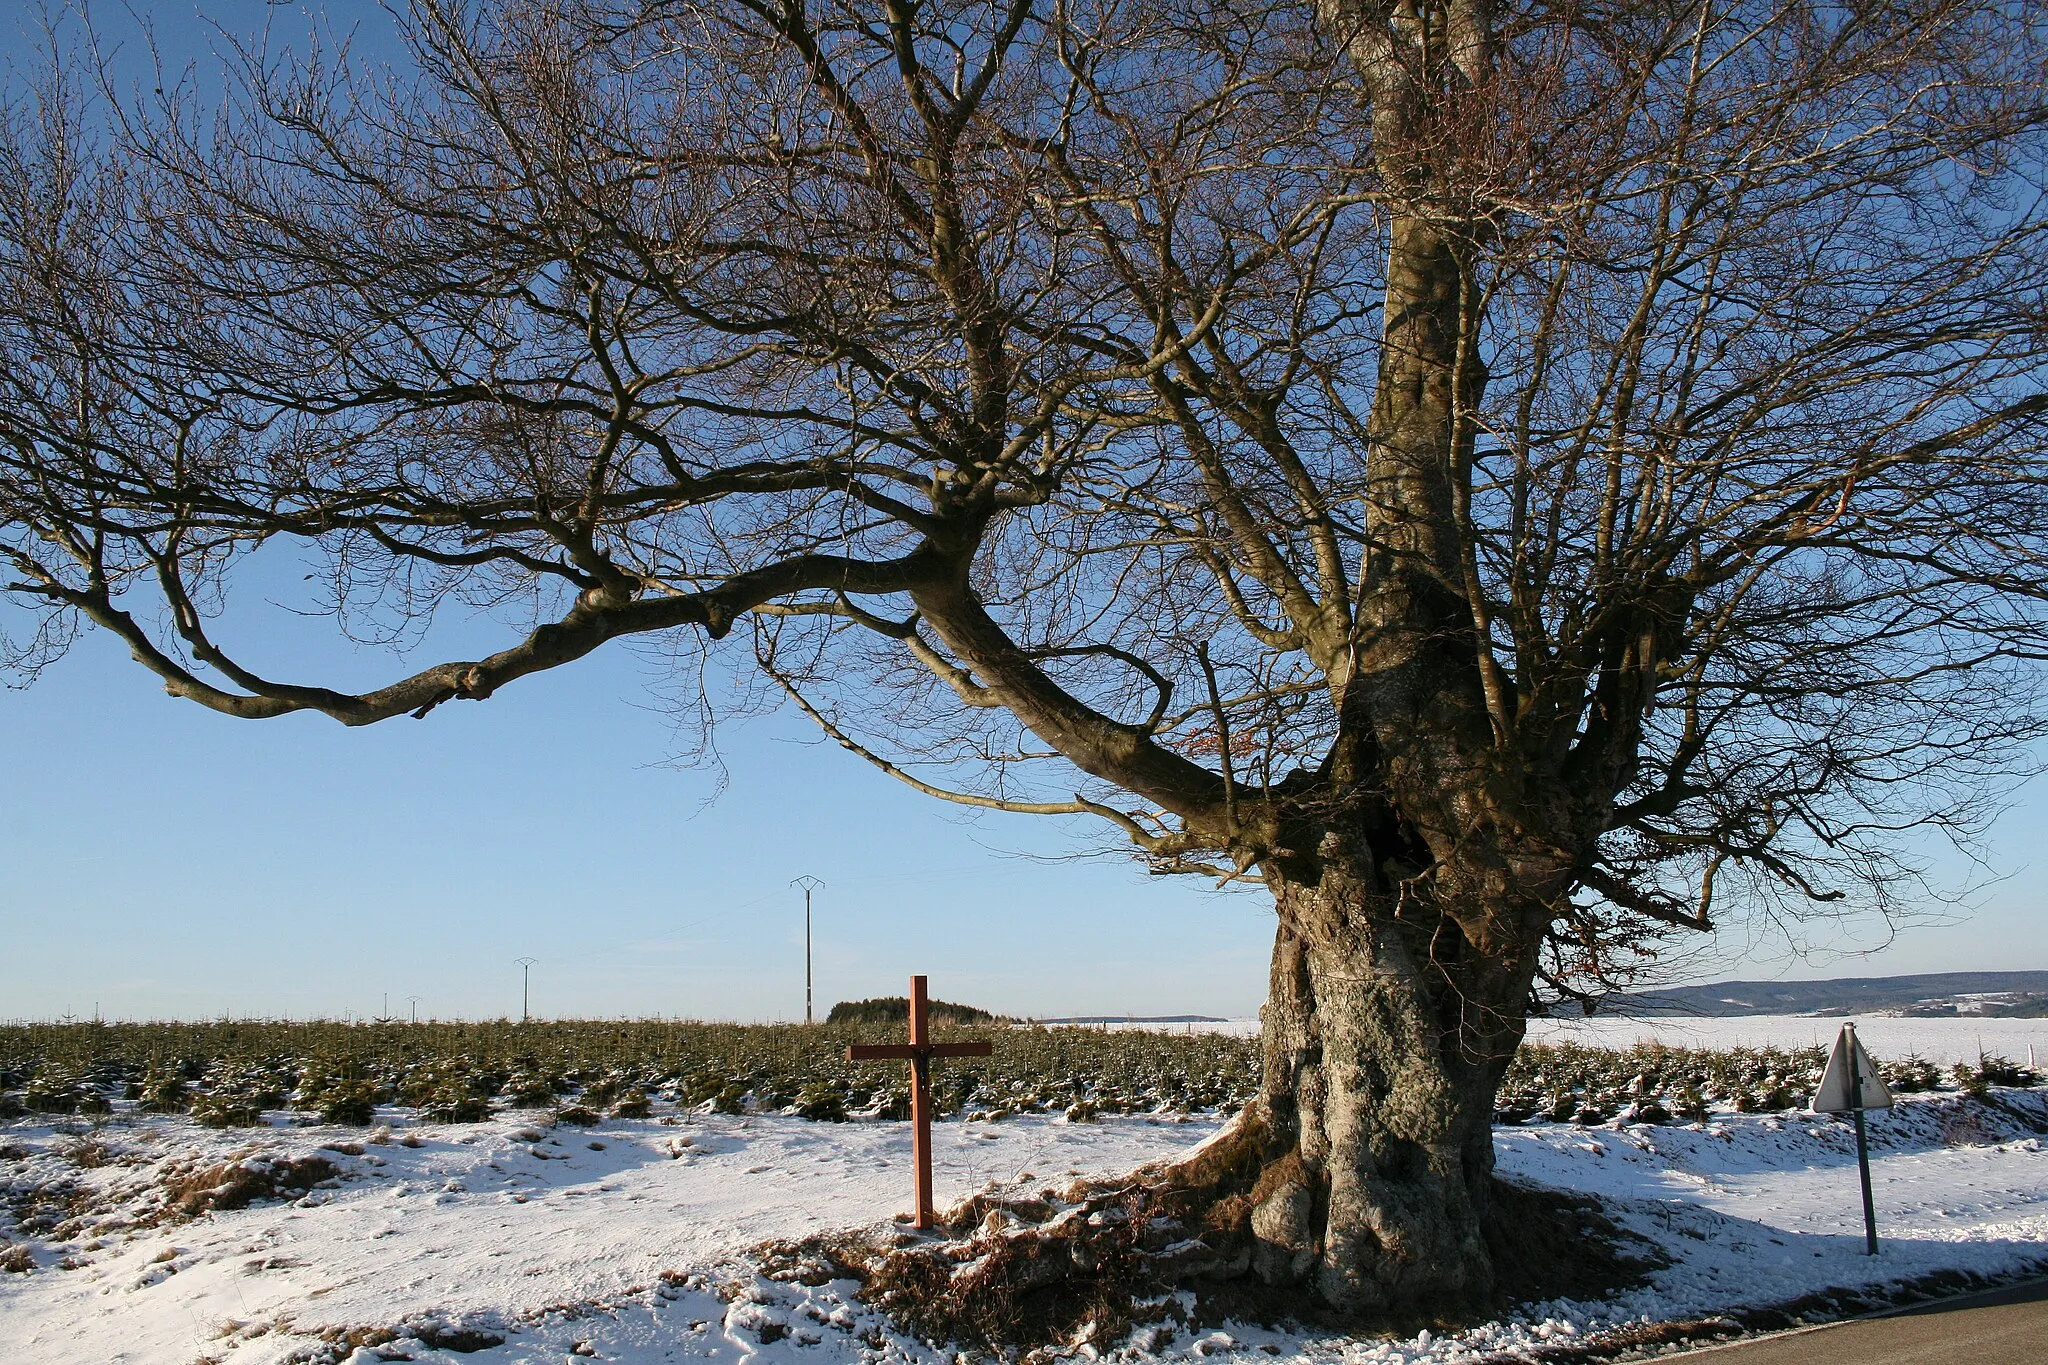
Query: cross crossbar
{"points": [[919, 1052]]}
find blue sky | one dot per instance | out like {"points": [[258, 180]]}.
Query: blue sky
{"points": [[157, 860], [164, 861]]}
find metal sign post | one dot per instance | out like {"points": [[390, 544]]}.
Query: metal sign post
{"points": [[1850, 1085], [919, 1054]]}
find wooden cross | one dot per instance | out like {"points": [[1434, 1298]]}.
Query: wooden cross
{"points": [[919, 1053]]}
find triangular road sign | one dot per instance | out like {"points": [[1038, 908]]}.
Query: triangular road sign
{"points": [[1843, 1089]]}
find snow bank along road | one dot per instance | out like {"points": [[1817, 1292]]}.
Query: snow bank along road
{"points": [[625, 1242]]}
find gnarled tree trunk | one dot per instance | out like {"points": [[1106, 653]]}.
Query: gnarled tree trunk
{"points": [[1385, 1039], [1357, 1184]]}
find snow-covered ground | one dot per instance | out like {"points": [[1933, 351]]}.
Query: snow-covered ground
{"points": [[1887, 1037], [1235, 1028], [625, 1242], [498, 1225]]}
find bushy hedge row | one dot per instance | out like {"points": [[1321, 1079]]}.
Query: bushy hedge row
{"points": [[1656, 1084], [456, 1072], [230, 1073]]}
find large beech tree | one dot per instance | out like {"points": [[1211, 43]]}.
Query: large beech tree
{"points": [[1517, 479]]}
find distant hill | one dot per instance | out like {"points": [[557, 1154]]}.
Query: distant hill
{"points": [[1987, 994], [895, 1009]]}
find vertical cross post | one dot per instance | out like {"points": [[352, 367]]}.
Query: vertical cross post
{"points": [[919, 1054], [921, 1100]]}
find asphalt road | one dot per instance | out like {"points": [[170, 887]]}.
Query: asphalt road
{"points": [[1999, 1327]]}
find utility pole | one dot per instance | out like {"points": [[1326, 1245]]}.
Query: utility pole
{"points": [[525, 977], [808, 884], [415, 1002]]}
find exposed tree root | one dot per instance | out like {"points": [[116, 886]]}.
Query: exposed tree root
{"points": [[1172, 1242]]}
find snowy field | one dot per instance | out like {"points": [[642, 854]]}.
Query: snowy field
{"points": [[1888, 1038], [626, 1242]]}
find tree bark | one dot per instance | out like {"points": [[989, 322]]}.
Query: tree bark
{"points": [[1384, 1044]]}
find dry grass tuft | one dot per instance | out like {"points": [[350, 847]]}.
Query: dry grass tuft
{"points": [[237, 1184]]}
